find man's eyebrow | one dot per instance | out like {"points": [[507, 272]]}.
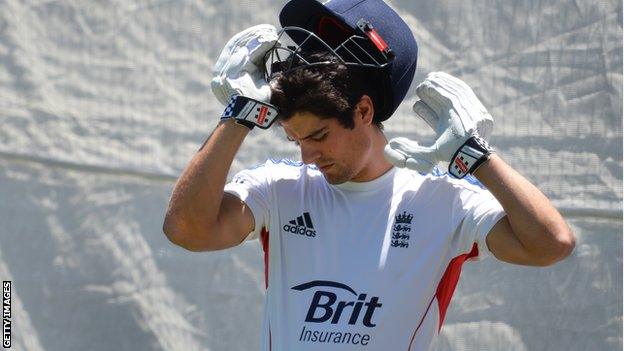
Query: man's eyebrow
{"points": [[311, 135], [315, 133]]}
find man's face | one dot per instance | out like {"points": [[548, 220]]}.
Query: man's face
{"points": [[338, 152]]}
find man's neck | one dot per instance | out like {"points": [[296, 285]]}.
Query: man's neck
{"points": [[377, 164]]}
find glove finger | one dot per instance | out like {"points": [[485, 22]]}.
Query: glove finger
{"points": [[248, 85], [473, 116], [237, 69], [251, 43], [443, 103], [444, 89], [457, 87], [234, 44], [462, 95], [261, 45], [236, 63], [426, 113], [395, 157], [400, 160], [410, 147], [485, 127], [403, 152], [220, 91], [429, 93], [420, 166]]}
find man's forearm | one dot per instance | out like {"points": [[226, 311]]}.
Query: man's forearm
{"points": [[197, 195], [535, 222]]}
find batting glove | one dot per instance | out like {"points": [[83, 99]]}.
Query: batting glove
{"points": [[461, 122], [238, 79]]}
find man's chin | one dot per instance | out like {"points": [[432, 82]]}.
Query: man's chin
{"points": [[335, 179]]}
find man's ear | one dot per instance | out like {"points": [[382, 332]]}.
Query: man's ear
{"points": [[365, 110]]}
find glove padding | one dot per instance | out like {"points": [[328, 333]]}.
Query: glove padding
{"points": [[451, 108], [238, 69]]}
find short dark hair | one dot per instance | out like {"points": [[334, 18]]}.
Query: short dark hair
{"points": [[329, 89]]}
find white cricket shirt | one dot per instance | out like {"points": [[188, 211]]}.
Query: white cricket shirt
{"points": [[361, 266]]}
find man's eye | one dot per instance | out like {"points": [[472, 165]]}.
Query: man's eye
{"points": [[292, 140], [320, 138]]}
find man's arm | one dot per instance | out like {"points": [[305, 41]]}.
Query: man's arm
{"points": [[533, 232], [200, 217]]}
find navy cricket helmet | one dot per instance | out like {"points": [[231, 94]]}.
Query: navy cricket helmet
{"points": [[366, 35]]}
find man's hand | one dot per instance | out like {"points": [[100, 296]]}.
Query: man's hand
{"points": [[462, 123], [238, 81], [238, 69]]}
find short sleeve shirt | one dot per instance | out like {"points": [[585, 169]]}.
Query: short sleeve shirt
{"points": [[366, 266]]}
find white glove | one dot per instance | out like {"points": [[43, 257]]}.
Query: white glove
{"points": [[238, 70], [461, 122]]}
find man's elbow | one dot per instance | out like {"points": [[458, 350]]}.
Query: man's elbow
{"points": [[566, 242], [183, 235], [561, 246]]}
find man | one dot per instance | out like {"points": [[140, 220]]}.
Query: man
{"points": [[359, 254]]}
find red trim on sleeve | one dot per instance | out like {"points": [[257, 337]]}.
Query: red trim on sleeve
{"points": [[449, 280], [264, 239]]}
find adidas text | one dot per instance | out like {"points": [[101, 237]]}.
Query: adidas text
{"points": [[298, 229]]}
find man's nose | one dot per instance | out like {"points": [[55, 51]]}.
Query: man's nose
{"points": [[309, 153]]}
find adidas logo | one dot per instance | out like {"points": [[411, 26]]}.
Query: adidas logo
{"points": [[301, 225]]}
